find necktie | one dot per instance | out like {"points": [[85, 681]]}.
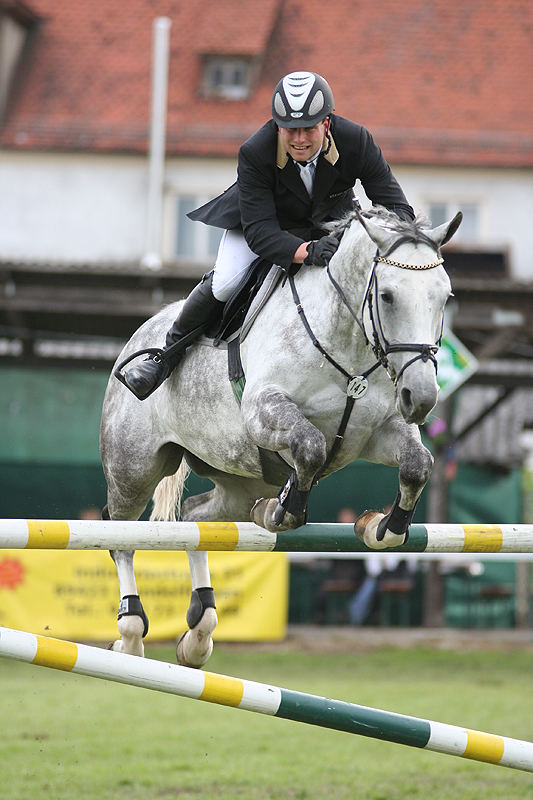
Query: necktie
{"points": [[307, 174]]}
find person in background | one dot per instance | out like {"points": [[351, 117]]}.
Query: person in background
{"points": [[362, 604], [344, 576], [90, 512]]}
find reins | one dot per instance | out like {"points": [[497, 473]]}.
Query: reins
{"points": [[314, 340], [358, 384]]}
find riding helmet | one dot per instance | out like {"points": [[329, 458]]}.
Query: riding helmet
{"points": [[301, 100]]}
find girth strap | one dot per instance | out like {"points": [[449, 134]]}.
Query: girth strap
{"points": [[339, 437], [274, 468]]}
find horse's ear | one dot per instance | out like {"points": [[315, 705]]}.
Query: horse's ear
{"points": [[444, 232], [380, 235]]}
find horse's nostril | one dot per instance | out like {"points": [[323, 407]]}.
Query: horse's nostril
{"points": [[416, 406], [406, 399]]}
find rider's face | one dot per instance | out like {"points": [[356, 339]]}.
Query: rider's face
{"points": [[302, 143]]}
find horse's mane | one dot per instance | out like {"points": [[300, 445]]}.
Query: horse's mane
{"points": [[409, 230]]}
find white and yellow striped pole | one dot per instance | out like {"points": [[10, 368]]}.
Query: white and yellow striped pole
{"points": [[265, 699], [315, 537]]}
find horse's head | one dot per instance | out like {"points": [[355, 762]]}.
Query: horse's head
{"points": [[404, 306]]}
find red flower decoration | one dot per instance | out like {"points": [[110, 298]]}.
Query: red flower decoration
{"points": [[11, 573]]}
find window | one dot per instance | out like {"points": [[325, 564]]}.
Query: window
{"points": [[226, 77], [469, 229], [440, 212], [466, 256], [464, 263], [437, 213], [193, 240]]}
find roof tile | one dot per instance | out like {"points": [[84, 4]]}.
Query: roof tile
{"points": [[445, 82], [226, 29]]}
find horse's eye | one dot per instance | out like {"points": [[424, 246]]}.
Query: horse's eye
{"points": [[387, 297]]}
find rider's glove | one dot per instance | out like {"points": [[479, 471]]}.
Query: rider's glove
{"points": [[320, 251]]}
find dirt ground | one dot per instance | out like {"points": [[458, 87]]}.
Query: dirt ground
{"points": [[346, 639]]}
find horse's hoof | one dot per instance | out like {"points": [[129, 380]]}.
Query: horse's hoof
{"points": [[132, 648], [257, 512], [184, 656], [131, 629], [195, 646], [262, 510], [366, 529], [361, 523]]}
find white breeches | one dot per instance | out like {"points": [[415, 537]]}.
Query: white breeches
{"points": [[233, 259]]}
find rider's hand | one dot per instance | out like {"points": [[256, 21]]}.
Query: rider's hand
{"points": [[320, 251]]}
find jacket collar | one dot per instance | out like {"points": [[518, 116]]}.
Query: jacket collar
{"points": [[330, 152]]}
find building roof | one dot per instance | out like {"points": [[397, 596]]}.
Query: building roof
{"points": [[445, 82], [224, 29]]}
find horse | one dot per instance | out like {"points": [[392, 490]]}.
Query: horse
{"points": [[339, 365]]}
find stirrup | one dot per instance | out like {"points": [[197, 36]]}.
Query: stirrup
{"points": [[150, 351], [171, 355], [161, 373]]}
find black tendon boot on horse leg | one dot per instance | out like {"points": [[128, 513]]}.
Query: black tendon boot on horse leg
{"points": [[201, 307]]}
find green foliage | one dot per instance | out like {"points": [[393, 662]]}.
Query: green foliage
{"points": [[67, 736]]}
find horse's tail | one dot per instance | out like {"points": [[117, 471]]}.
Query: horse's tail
{"points": [[168, 494]]}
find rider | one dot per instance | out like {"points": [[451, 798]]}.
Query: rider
{"points": [[294, 174]]}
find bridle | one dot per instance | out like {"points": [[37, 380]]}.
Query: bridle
{"points": [[381, 346], [358, 384]]}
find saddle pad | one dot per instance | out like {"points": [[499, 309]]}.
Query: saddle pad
{"points": [[272, 279], [266, 289]]}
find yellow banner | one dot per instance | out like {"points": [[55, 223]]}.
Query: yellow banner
{"points": [[74, 594]]}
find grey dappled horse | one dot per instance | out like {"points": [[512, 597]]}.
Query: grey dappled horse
{"points": [[362, 333]]}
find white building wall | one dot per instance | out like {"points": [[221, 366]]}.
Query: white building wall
{"points": [[504, 198], [71, 207], [202, 178], [85, 207]]}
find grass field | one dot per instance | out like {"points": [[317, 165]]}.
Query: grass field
{"points": [[66, 736]]}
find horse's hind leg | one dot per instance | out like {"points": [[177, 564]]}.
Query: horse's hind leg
{"points": [[132, 621], [129, 491], [196, 645], [229, 500]]}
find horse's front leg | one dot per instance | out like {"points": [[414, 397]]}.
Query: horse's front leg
{"points": [[276, 423], [415, 462]]}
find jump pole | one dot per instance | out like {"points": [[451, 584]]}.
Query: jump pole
{"points": [[315, 537], [264, 699]]}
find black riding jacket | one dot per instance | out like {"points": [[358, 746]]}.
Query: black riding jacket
{"points": [[270, 202]]}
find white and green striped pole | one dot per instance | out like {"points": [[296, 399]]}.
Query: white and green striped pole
{"points": [[265, 699], [315, 537]]}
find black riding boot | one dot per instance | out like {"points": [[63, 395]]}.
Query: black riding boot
{"points": [[201, 308]]}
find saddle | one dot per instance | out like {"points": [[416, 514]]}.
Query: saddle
{"points": [[239, 303]]}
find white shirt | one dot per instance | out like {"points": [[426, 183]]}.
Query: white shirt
{"points": [[307, 171]]}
